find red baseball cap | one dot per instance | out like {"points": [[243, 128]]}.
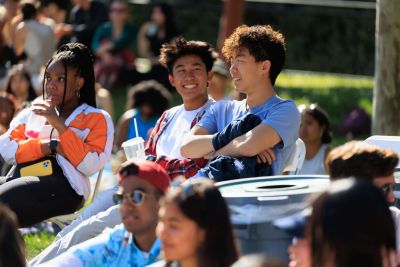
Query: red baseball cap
{"points": [[146, 170]]}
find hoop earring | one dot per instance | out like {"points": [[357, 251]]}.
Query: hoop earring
{"points": [[78, 93]]}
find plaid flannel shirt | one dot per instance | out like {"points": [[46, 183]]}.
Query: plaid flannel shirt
{"points": [[174, 167]]}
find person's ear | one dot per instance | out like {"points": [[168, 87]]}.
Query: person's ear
{"points": [[266, 66], [171, 80], [322, 131], [202, 235], [210, 74]]}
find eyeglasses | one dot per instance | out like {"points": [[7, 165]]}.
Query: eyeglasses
{"points": [[136, 197], [118, 10], [387, 188]]}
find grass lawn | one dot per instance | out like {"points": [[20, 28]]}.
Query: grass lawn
{"points": [[337, 94], [35, 243]]}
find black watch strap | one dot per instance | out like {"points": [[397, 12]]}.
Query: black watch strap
{"points": [[53, 146]]}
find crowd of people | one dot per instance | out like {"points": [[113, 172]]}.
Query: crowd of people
{"points": [[166, 210]]}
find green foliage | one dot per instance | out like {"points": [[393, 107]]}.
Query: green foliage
{"points": [[35, 243], [336, 94], [324, 39], [328, 39]]}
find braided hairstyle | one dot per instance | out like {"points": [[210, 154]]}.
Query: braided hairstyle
{"points": [[78, 57]]}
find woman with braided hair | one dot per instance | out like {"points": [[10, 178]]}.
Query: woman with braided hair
{"points": [[51, 171]]}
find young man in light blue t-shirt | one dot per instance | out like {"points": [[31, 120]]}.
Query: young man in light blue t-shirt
{"points": [[257, 56], [134, 242]]}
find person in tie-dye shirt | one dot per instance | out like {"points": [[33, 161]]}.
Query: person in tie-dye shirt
{"points": [[134, 243]]}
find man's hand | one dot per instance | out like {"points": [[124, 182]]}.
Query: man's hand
{"points": [[210, 155], [266, 156]]}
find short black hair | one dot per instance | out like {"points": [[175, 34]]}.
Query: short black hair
{"points": [[61, 4], [28, 10], [170, 52]]}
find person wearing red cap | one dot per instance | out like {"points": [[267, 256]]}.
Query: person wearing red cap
{"points": [[134, 242]]}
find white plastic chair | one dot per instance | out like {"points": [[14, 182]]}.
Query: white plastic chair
{"points": [[386, 141], [389, 142], [296, 158]]}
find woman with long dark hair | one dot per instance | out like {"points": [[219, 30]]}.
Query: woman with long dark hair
{"points": [[194, 227], [351, 225], [316, 134], [113, 45], [19, 85], [160, 29], [51, 170]]}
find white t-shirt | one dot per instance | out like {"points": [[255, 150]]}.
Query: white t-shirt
{"points": [[316, 164], [396, 218], [169, 143]]}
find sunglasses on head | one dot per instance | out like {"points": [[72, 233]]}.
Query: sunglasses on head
{"points": [[387, 188], [136, 197]]}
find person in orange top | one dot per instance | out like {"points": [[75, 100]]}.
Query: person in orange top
{"points": [[76, 142]]}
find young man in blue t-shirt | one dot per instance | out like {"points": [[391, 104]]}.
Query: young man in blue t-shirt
{"points": [[257, 55]]}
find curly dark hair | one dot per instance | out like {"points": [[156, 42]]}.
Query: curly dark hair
{"points": [[149, 92], [170, 52], [361, 160], [262, 42]]}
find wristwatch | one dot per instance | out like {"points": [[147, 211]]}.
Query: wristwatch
{"points": [[53, 146]]}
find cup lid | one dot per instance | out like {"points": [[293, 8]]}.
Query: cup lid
{"points": [[133, 141]]}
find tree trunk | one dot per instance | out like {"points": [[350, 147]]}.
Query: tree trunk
{"points": [[231, 18], [386, 102]]}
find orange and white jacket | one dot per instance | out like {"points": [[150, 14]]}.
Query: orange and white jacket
{"points": [[86, 144]]}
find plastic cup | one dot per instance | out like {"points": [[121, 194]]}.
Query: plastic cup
{"points": [[35, 123], [134, 148]]}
